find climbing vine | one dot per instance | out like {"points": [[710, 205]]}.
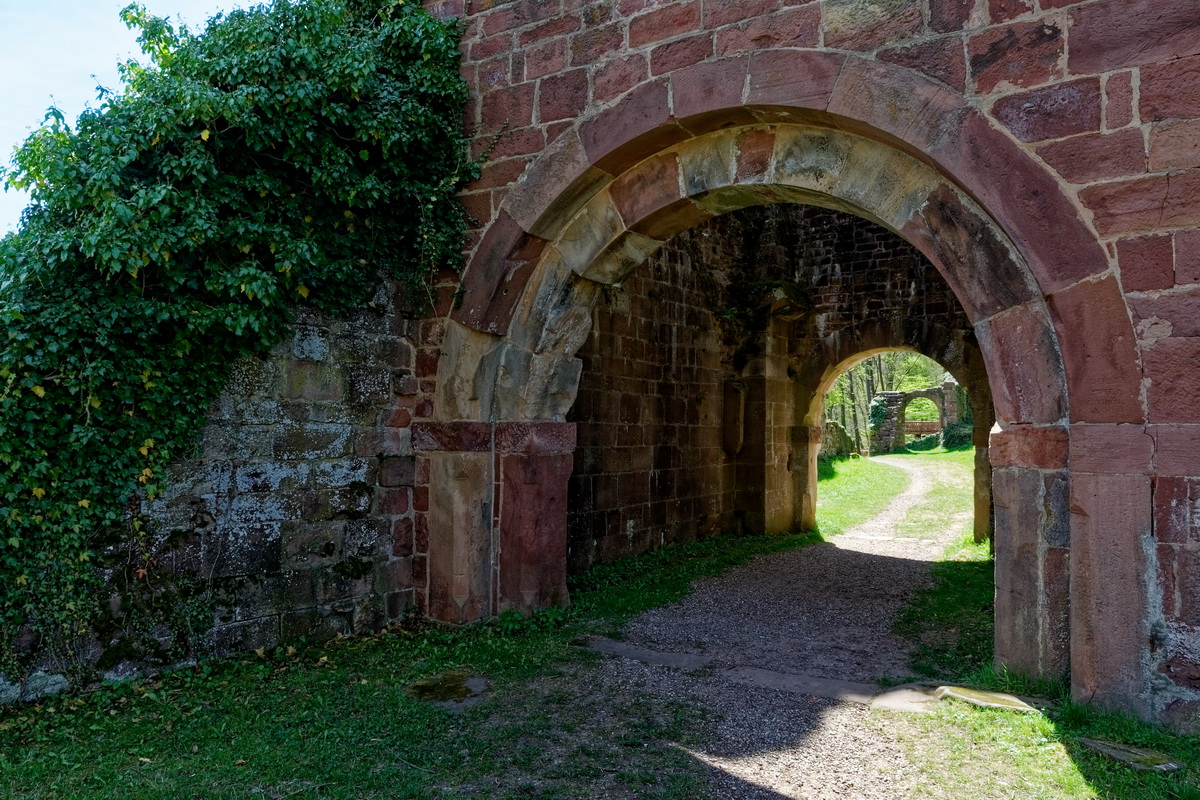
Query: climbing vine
{"points": [[284, 155]]}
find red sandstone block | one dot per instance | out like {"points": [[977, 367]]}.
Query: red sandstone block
{"points": [[1110, 516], [595, 44], [638, 126], [1004, 10], [1176, 509], [490, 47], [394, 501], [1145, 204], [1111, 449], [854, 25], [1146, 262], [664, 23], [549, 30], [470, 437], [615, 77], [1024, 54], [1176, 449], [1118, 100], [536, 437], [680, 53], [941, 59], [511, 107], [702, 87], [494, 73], [946, 16], [402, 537], [1174, 391], [1179, 578], [1187, 256], [1181, 309], [719, 14], [1052, 112], [1125, 33], [545, 59], [793, 27], [563, 96], [1039, 447], [1025, 366], [497, 276], [522, 142], [793, 78], [1097, 156], [1103, 371], [654, 185], [756, 150], [1171, 90], [1175, 145]]}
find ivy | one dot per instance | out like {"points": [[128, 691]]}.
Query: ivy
{"points": [[288, 154]]}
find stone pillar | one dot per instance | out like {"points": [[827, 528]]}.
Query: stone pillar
{"points": [[949, 403], [806, 447], [534, 464], [1032, 541], [890, 434], [491, 516], [453, 503]]}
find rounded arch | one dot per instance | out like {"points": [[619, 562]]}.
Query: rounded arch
{"points": [[837, 131], [525, 376]]}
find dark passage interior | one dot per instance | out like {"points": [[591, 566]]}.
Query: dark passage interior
{"points": [[699, 408]]}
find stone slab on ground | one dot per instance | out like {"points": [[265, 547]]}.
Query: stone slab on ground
{"points": [[1134, 757]]}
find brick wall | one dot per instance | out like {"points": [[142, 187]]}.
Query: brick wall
{"points": [[651, 467]]}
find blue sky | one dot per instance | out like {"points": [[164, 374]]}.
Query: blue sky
{"points": [[49, 51]]}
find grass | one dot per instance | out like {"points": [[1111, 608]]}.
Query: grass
{"points": [[964, 751], [335, 722], [851, 491]]}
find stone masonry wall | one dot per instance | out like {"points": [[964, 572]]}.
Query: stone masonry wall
{"points": [[650, 468], [296, 514]]}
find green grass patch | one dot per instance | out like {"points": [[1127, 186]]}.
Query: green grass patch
{"points": [[851, 491], [335, 721], [951, 622], [965, 751]]}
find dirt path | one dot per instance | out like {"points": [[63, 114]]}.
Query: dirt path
{"points": [[779, 638]]}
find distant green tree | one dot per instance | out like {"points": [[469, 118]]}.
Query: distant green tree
{"points": [[292, 153]]}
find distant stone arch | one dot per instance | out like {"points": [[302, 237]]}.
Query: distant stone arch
{"points": [[890, 435]]}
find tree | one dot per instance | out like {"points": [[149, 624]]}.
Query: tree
{"points": [[291, 153]]}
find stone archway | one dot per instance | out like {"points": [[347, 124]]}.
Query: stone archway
{"points": [[529, 376], [883, 143]]}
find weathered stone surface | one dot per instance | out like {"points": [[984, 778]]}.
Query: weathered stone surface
{"points": [[1024, 54], [1098, 156], [533, 517], [1147, 262], [1111, 516], [1126, 33], [1121, 449], [1025, 365], [941, 59], [460, 552], [1052, 112], [1041, 447], [1103, 368], [1173, 394], [1135, 757]]}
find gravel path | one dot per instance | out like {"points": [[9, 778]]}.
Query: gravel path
{"points": [[824, 611]]}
